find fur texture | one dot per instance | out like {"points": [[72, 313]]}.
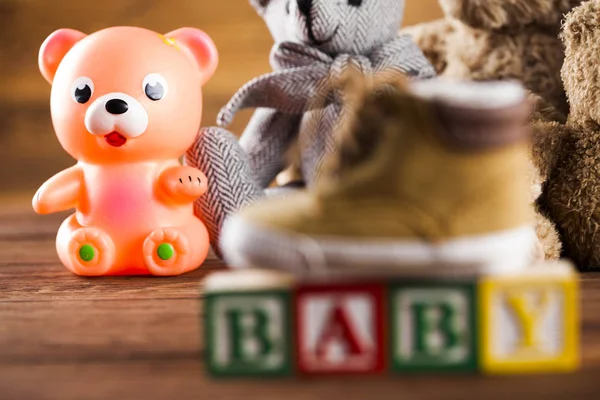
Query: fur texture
{"points": [[500, 39], [569, 154]]}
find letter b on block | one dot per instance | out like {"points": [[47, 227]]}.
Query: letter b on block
{"points": [[248, 333], [433, 327]]}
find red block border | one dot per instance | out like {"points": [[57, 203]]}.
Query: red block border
{"points": [[378, 291]]}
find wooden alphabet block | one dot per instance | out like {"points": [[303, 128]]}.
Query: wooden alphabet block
{"points": [[529, 322], [339, 329], [432, 326], [261, 323], [247, 322]]}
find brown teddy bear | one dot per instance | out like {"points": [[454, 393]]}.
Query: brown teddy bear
{"points": [[569, 154], [499, 39]]}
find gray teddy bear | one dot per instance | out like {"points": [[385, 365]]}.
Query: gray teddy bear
{"points": [[316, 42]]}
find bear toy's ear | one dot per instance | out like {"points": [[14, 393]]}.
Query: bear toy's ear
{"points": [[581, 26], [260, 5], [54, 49], [200, 48]]}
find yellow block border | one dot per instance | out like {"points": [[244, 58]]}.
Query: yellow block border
{"points": [[568, 361]]}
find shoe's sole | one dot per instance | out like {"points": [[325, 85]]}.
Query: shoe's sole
{"points": [[249, 246]]}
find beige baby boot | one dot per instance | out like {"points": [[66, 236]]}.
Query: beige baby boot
{"points": [[429, 174]]}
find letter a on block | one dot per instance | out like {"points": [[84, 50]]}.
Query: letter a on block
{"points": [[248, 333], [530, 323], [339, 329]]}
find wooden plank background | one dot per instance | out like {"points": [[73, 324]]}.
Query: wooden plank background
{"points": [[29, 150]]}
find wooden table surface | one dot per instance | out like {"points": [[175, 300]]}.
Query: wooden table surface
{"points": [[65, 337]]}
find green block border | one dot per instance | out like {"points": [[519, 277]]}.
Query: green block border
{"points": [[288, 368], [470, 287]]}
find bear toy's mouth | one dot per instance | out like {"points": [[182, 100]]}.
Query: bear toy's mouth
{"points": [[115, 139]]}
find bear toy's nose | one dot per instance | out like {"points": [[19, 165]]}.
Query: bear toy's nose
{"points": [[304, 6], [116, 106]]}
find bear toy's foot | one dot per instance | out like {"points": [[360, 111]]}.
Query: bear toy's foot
{"points": [[91, 252], [167, 252]]}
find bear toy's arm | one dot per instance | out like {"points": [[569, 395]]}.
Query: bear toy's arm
{"points": [[432, 38], [59, 193], [266, 140], [548, 144], [543, 111], [548, 131], [181, 185]]}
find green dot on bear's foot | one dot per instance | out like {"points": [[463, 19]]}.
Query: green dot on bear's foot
{"points": [[165, 251], [86, 253]]}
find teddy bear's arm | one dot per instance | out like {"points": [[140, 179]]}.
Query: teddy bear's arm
{"points": [[543, 111], [432, 37], [181, 185], [59, 193], [266, 140], [548, 144]]}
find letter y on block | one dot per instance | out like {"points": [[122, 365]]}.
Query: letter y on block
{"points": [[530, 322], [529, 309]]}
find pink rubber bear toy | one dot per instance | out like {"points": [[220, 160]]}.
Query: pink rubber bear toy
{"points": [[126, 104]]}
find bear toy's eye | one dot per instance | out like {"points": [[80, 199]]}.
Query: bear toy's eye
{"points": [[287, 7], [355, 3], [82, 89], [155, 86]]}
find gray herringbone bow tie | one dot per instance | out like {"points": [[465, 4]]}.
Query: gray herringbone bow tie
{"points": [[303, 73]]}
